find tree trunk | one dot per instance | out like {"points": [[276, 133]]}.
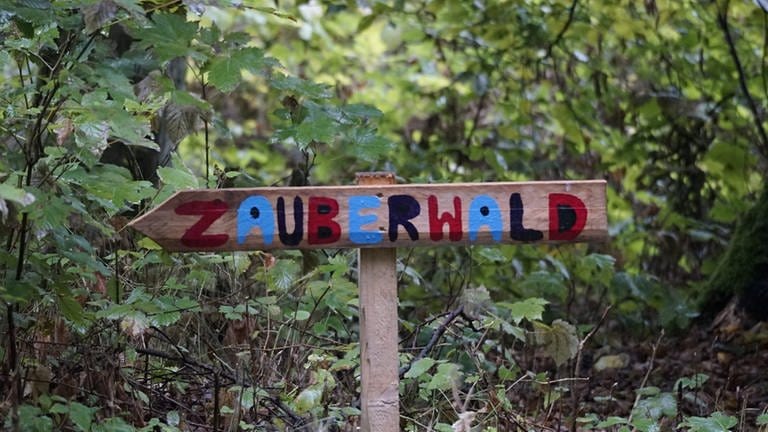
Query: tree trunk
{"points": [[743, 269]]}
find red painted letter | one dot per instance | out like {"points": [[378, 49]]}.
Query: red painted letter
{"points": [[209, 211], [567, 216], [436, 223], [321, 227]]}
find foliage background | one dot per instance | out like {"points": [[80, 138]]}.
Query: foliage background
{"points": [[109, 106]]}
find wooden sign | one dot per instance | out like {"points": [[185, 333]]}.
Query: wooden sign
{"points": [[378, 216]]}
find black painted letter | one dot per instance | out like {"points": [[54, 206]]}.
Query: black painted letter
{"points": [[516, 229], [298, 222], [403, 208]]}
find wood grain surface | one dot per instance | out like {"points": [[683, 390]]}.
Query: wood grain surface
{"points": [[379, 216]]}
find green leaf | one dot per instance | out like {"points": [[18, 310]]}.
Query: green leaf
{"points": [[645, 425], [17, 195], [98, 14], [148, 243], [611, 421], [544, 283], [172, 418], [362, 111], [32, 419], [366, 22], [559, 340], [506, 374], [59, 408], [283, 273], [103, 112], [170, 35], [762, 420], [316, 126], [71, 309], [419, 367], [308, 399], [446, 376], [301, 87], [134, 8], [717, 422], [596, 268], [17, 291], [529, 309], [230, 312], [648, 391], [476, 300], [655, 407], [225, 71], [165, 319], [116, 424], [177, 178], [81, 415], [111, 186], [35, 4], [270, 10], [368, 145], [691, 383]]}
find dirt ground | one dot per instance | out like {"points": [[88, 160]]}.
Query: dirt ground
{"points": [[726, 361]]}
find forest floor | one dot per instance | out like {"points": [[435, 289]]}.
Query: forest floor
{"points": [[720, 367]]}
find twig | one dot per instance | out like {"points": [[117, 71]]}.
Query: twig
{"points": [[216, 401], [722, 20], [577, 366], [476, 119], [296, 419], [560, 380], [589, 336], [206, 140], [645, 378], [559, 37], [433, 341]]}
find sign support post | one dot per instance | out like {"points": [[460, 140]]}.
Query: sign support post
{"points": [[379, 359]]}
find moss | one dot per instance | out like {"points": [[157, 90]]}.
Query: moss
{"points": [[745, 260]]}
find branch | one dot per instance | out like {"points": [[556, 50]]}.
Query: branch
{"points": [[647, 374], [476, 119], [295, 418], [433, 341], [559, 37], [722, 21], [583, 342]]}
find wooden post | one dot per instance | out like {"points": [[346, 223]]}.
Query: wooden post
{"points": [[377, 279]]}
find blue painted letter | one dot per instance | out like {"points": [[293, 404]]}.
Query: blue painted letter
{"points": [[255, 211], [356, 221], [485, 211]]}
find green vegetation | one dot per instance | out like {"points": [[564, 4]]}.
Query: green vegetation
{"points": [[107, 107]]}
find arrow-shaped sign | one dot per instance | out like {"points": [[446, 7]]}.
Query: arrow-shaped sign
{"points": [[378, 216]]}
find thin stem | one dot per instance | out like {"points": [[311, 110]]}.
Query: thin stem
{"points": [[433, 340], [207, 143], [763, 69], [566, 26], [476, 119], [216, 402], [21, 79], [722, 20], [13, 355], [647, 375]]}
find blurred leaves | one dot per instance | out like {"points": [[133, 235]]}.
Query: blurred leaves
{"points": [[225, 72]]}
